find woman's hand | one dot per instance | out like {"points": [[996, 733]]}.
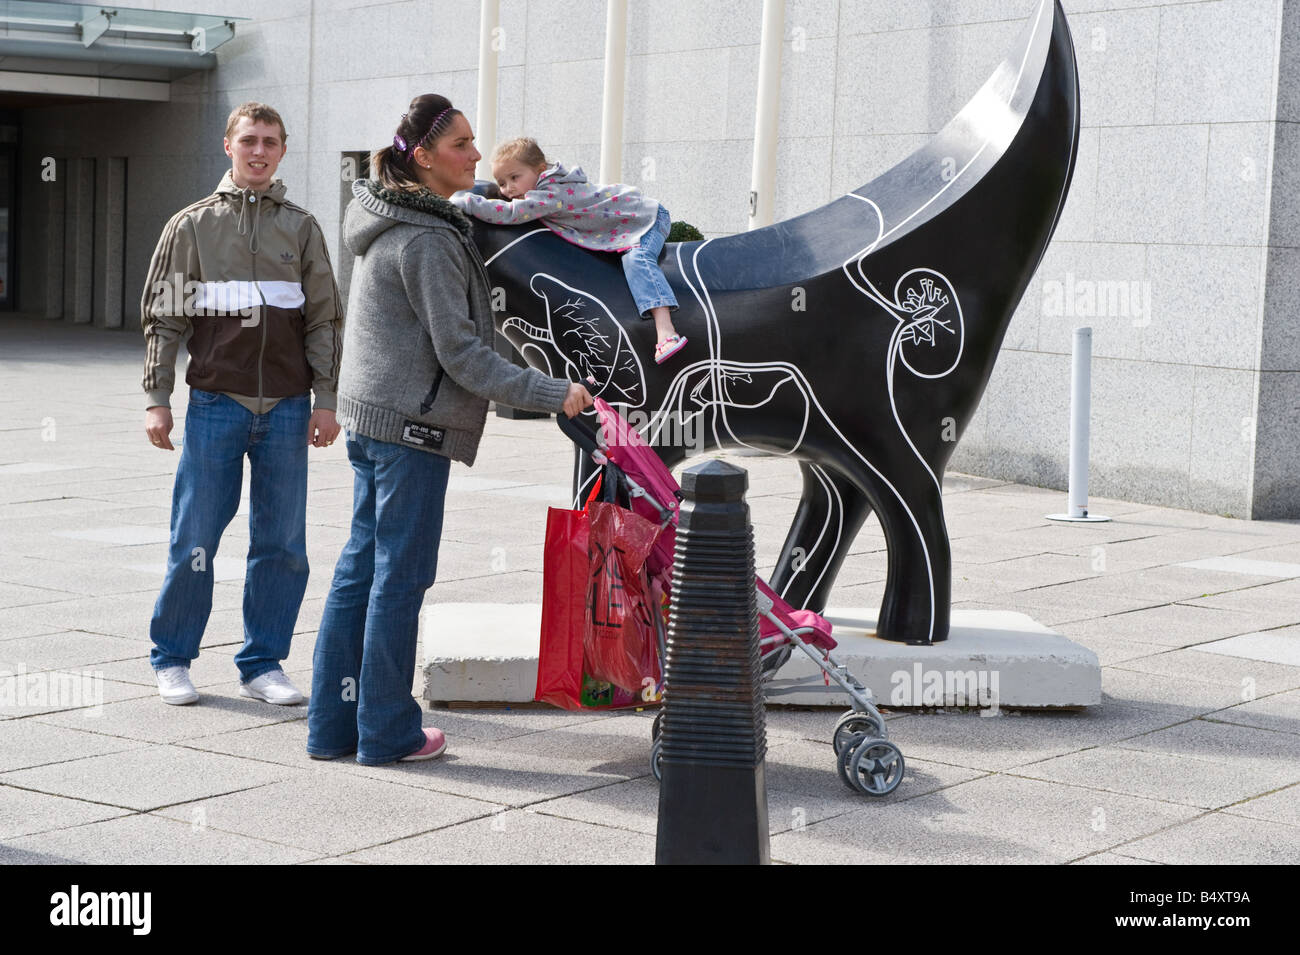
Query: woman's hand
{"points": [[577, 400]]}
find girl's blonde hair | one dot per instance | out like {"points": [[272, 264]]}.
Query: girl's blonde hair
{"points": [[522, 149]]}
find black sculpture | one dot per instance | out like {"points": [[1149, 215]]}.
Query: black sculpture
{"points": [[857, 338]]}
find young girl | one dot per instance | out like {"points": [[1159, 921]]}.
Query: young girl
{"points": [[615, 218]]}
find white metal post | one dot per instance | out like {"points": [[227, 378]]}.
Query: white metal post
{"points": [[611, 117], [486, 133], [1080, 420], [766, 113]]}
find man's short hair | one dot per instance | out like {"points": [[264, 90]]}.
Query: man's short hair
{"points": [[258, 113]]}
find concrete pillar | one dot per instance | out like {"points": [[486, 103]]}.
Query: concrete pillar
{"points": [[110, 237], [486, 121], [79, 241], [762, 196], [55, 227], [611, 117]]}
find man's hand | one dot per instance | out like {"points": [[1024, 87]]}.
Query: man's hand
{"points": [[158, 425], [322, 429], [577, 400]]}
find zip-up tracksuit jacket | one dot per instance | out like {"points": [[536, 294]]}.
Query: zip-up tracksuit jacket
{"points": [[244, 278]]}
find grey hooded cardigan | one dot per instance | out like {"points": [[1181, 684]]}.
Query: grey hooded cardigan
{"points": [[418, 363]]}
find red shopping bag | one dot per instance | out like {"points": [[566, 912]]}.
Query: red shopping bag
{"points": [[564, 574], [620, 643], [568, 675]]}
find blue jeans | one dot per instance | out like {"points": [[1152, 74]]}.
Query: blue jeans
{"points": [[219, 431], [365, 651], [641, 266]]}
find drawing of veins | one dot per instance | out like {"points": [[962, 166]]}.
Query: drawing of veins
{"points": [[596, 356]]}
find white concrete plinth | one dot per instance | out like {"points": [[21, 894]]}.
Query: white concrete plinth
{"points": [[480, 653], [990, 655], [488, 653]]}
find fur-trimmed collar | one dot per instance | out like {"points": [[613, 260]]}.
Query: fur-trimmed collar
{"points": [[424, 200]]}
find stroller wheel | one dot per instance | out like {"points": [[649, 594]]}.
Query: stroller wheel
{"points": [[876, 766], [656, 759], [854, 722], [657, 727], [845, 756]]}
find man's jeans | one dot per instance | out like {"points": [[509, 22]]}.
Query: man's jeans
{"points": [[645, 279], [218, 433], [365, 651]]}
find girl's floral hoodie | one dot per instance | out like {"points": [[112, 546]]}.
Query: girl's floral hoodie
{"points": [[601, 218]]}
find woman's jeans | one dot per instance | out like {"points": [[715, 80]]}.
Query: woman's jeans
{"points": [[219, 431], [365, 651], [641, 266]]}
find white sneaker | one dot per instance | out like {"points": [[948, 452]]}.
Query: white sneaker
{"points": [[174, 685], [272, 687]]}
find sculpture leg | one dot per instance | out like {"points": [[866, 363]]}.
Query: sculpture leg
{"points": [[831, 511], [918, 591]]}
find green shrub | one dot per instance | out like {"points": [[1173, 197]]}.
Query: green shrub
{"points": [[684, 232]]}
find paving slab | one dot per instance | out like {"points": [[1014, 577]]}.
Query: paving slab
{"points": [[79, 697], [148, 778], [1251, 676], [330, 812], [1282, 806], [29, 742], [1111, 858], [1174, 765], [1245, 565], [74, 578], [18, 595], [1173, 625], [991, 820], [1110, 650], [511, 772], [1168, 584], [1244, 747], [1280, 712], [214, 667], [1271, 605], [1273, 646], [148, 840], [1019, 739], [517, 837], [69, 648], [801, 790], [24, 812], [119, 615], [1220, 839], [1179, 698], [149, 719]]}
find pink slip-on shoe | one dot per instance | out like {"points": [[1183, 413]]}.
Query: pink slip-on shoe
{"points": [[668, 347], [435, 743]]}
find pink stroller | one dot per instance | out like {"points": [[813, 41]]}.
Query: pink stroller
{"points": [[633, 476]]}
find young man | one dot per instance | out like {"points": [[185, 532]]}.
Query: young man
{"points": [[244, 278]]}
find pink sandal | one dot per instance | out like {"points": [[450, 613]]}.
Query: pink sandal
{"points": [[668, 347]]}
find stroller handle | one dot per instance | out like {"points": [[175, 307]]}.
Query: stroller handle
{"points": [[579, 432]]}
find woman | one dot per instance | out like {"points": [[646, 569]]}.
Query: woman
{"points": [[418, 371]]}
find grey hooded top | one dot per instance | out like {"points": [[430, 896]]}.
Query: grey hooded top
{"points": [[418, 363]]}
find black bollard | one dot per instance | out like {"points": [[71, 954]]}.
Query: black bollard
{"points": [[713, 794]]}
